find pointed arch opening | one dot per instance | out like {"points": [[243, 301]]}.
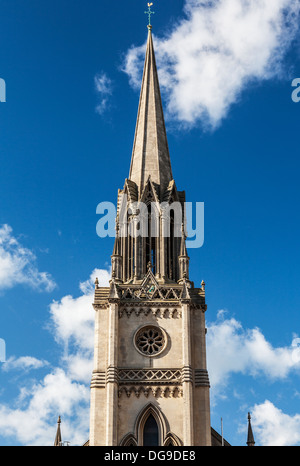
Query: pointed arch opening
{"points": [[151, 427], [129, 441], [172, 440], [169, 442], [151, 432]]}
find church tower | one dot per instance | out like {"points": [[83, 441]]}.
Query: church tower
{"points": [[150, 383]]}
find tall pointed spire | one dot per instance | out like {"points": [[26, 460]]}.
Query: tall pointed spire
{"points": [[250, 437], [183, 258], [57, 441], [150, 182], [150, 155]]}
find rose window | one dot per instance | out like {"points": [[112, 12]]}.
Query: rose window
{"points": [[150, 340]]}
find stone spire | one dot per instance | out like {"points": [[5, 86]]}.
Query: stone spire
{"points": [[57, 441], [183, 258], [150, 155], [150, 182], [116, 259], [250, 437]]}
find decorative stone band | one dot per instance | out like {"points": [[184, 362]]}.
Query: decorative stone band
{"points": [[150, 291], [201, 378], [156, 312], [174, 392], [101, 378], [187, 374], [138, 308], [98, 379], [112, 375], [151, 377]]}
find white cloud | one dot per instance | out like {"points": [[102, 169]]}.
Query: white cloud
{"points": [[103, 86], [65, 389], [18, 265], [233, 349], [73, 318], [24, 363], [272, 427], [215, 52], [56, 393], [72, 321]]}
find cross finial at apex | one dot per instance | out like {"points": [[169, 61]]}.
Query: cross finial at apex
{"points": [[149, 13]]}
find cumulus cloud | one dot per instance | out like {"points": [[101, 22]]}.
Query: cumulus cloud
{"points": [[73, 318], [24, 363], [18, 264], [213, 53], [65, 389], [103, 86], [56, 393], [273, 427], [72, 322], [233, 349]]}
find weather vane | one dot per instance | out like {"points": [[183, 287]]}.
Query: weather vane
{"points": [[149, 12]]}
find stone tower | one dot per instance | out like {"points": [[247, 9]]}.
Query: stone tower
{"points": [[150, 383]]}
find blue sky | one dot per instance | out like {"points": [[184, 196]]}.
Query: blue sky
{"points": [[72, 73]]}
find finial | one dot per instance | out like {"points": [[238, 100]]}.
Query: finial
{"points": [[250, 437], [182, 229], [57, 441], [96, 282], [149, 266], [149, 13], [203, 285]]}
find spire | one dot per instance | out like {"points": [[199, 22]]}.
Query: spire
{"points": [[250, 437], [116, 250], [57, 441], [183, 258], [116, 259], [183, 251], [150, 155]]}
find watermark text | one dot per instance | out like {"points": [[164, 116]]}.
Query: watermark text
{"points": [[138, 219], [2, 90], [296, 92], [2, 350]]}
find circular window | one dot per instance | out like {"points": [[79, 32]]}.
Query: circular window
{"points": [[150, 340]]}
